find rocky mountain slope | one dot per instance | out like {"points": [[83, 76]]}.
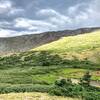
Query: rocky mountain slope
{"points": [[27, 42]]}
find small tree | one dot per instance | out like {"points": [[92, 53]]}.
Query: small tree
{"points": [[85, 80], [63, 82]]}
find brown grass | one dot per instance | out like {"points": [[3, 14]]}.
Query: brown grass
{"points": [[32, 96]]}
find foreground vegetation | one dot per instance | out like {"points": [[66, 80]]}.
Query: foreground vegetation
{"points": [[38, 69], [32, 96], [82, 90]]}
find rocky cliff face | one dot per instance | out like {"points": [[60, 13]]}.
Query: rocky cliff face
{"points": [[27, 42]]}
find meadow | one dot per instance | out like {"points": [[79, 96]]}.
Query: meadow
{"points": [[38, 78]]}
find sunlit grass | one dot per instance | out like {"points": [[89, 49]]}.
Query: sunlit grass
{"points": [[81, 46], [74, 43], [32, 96]]}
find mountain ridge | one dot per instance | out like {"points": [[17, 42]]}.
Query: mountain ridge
{"points": [[26, 42]]}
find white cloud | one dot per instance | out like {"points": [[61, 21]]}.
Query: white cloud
{"points": [[73, 9], [30, 26], [47, 12], [11, 33], [4, 23], [54, 14], [76, 9], [6, 32], [94, 10], [80, 15], [22, 23], [55, 18], [33, 24], [85, 14], [15, 11], [5, 6]]}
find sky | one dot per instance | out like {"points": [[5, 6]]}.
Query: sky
{"points": [[20, 17]]}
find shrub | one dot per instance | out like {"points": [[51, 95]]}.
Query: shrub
{"points": [[91, 96], [85, 81], [65, 87]]}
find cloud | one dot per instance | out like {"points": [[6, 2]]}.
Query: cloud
{"points": [[15, 11], [11, 33], [78, 12], [55, 17], [54, 14], [47, 12], [5, 6], [79, 15], [4, 23], [6, 32], [36, 16], [76, 9], [85, 14], [94, 10], [33, 24]]}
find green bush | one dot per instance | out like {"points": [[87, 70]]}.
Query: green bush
{"points": [[91, 96], [85, 80], [25, 88], [65, 87]]}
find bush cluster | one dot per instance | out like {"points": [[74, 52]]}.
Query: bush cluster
{"points": [[82, 90], [25, 88]]}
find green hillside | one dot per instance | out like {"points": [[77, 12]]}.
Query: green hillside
{"points": [[78, 43], [79, 46], [38, 69]]}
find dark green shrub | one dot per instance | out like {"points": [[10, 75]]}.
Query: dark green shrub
{"points": [[65, 87], [91, 96], [25, 88], [85, 81]]}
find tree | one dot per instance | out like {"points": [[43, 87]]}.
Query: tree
{"points": [[85, 80], [63, 82]]}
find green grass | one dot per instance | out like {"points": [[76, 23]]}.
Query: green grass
{"points": [[35, 75], [84, 46], [74, 43], [37, 70], [32, 78]]}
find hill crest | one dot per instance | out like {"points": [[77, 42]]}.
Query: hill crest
{"points": [[27, 42]]}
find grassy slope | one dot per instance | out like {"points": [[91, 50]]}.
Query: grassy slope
{"points": [[39, 75], [32, 96], [80, 46], [74, 43]]}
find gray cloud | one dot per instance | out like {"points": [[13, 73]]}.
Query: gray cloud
{"points": [[5, 6], [36, 16]]}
